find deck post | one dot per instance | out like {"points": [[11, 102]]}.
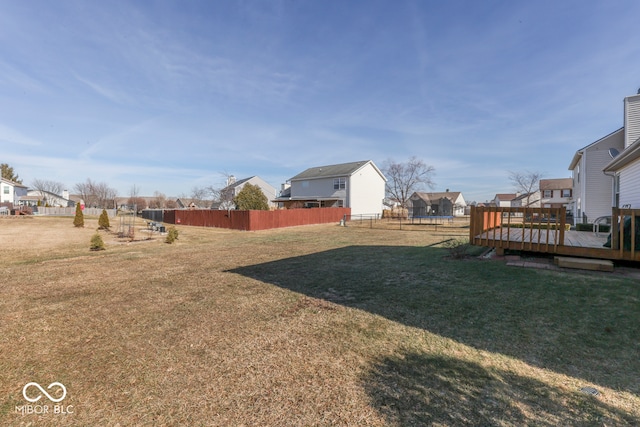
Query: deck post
{"points": [[615, 225], [563, 221]]}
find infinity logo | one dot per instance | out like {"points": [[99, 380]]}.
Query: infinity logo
{"points": [[24, 392]]}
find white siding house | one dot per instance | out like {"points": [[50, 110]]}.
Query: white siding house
{"points": [[556, 192], [504, 199], [625, 167], [592, 189], [357, 185], [11, 191]]}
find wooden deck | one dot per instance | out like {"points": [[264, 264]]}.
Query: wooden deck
{"points": [[544, 230], [534, 238]]}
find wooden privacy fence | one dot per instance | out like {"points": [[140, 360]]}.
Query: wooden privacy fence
{"points": [[255, 220]]}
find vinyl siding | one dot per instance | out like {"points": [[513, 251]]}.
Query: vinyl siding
{"points": [[630, 185], [366, 192], [597, 196], [631, 119]]}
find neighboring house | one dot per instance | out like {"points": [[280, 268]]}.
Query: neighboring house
{"points": [[46, 198], [11, 191], [189, 203], [357, 185], [625, 167], [592, 189], [556, 193], [448, 203], [234, 186], [504, 200], [527, 200]]}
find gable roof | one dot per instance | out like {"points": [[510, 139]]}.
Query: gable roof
{"points": [[629, 155], [331, 171], [556, 184], [576, 157], [505, 197], [238, 182], [525, 195], [15, 184], [429, 197]]}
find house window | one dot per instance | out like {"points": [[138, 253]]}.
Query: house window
{"points": [[566, 193], [339, 183], [6, 190], [547, 194], [340, 204]]}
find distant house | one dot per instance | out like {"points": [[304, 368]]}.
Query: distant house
{"points": [[235, 186], [592, 189], [625, 166], [448, 203], [527, 200], [357, 185], [189, 203], [504, 199], [11, 191], [44, 198], [556, 192]]}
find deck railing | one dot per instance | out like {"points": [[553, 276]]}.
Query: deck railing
{"points": [[538, 229], [543, 230], [624, 226]]}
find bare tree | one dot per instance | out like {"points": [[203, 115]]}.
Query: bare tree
{"points": [[199, 195], [96, 194], [44, 186], [526, 182], [403, 179], [159, 200], [135, 200], [85, 191]]}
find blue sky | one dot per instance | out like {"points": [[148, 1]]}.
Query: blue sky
{"points": [[170, 95]]}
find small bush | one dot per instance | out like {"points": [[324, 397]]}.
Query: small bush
{"points": [[604, 228], [103, 221], [172, 235], [96, 243], [78, 220], [457, 248]]}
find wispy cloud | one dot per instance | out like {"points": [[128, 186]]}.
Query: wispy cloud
{"points": [[113, 95], [9, 135]]}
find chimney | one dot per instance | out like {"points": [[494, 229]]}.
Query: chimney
{"points": [[65, 194], [231, 180]]}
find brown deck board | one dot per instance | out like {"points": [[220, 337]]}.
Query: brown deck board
{"points": [[583, 239]]}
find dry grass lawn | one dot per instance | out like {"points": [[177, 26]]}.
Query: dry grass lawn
{"points": [[307, 326]]}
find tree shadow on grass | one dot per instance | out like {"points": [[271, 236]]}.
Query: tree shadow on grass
{"points": [[415, 390], [574, 324]]}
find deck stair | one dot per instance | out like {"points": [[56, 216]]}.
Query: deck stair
{"points": [[584, 263]]}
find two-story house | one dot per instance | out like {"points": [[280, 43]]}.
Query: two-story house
{"points": [[556, 193], [592, 189], [11, 191], [356, 185]]}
